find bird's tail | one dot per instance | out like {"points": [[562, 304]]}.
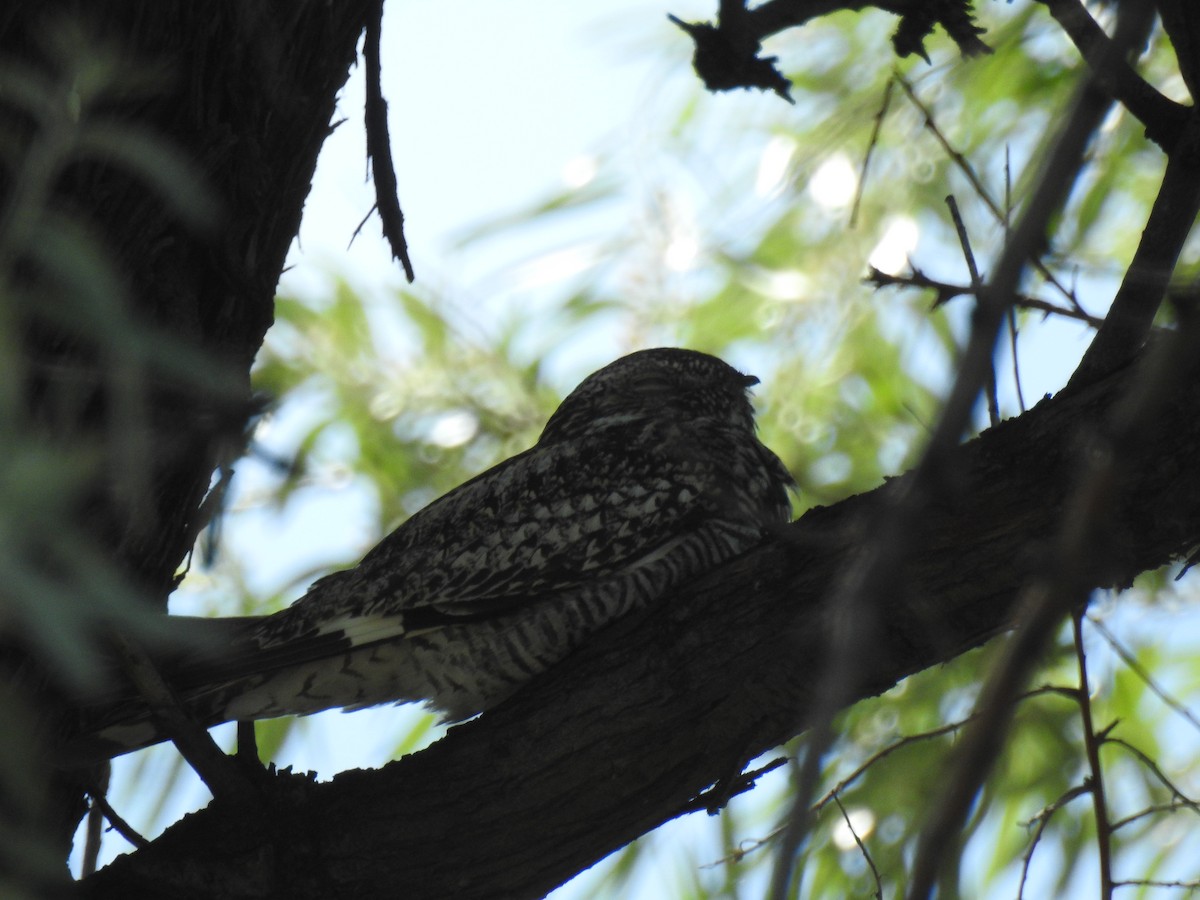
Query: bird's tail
{"points": [[196, 657]]}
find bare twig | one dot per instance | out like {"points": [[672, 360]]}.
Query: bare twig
{"points": [[874, 758], [964, 166], [1042, 819], [1139, 670], [964, 241], [1095, 781], [862, 848], [862, 175], [1147, 882], [1184, 800], [899, 744], [881, 754], [1012, 311], [119, 825], [1154, 810], [955, 156], [715, 798], [379, 145], [947, 291]]}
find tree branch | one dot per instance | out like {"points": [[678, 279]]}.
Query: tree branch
{"points": [[944, 292], [1145, 283], [625, 733], [1164, 118], [726, 55], [1181, 21]]}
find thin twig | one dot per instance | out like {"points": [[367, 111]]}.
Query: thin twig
{"points": [[1095, 781], [964, 166], [1012, 311], [119, 825], [1147, 882], [862, 848], [1128, 658], [878, 756], [955, 156], [947, 291], [744, 781], [1043, 819], [842, 785], [862, 175], [964, 241], [1154, 810], [1184, 800], [891, 748]]}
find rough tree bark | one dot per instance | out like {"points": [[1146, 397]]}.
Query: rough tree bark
{"points": [[246, 92], [630, 731]]}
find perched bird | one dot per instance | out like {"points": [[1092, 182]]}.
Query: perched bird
{"points": [[647, 475]]}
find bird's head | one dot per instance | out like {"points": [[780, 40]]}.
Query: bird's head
{"points": [[665, 383]]}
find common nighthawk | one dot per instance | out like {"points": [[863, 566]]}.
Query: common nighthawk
{"points": [[646, 476]]}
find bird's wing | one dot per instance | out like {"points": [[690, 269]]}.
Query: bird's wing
{"points": [[548, 519]]}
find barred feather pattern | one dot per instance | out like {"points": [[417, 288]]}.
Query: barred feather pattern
{"points": [[648, 475]]}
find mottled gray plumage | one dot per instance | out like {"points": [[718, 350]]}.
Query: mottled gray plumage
{"points": [[646, 476]]}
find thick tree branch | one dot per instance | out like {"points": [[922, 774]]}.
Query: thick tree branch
{"points": [[626, 732], [1181, 21], [1141, 293]]}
